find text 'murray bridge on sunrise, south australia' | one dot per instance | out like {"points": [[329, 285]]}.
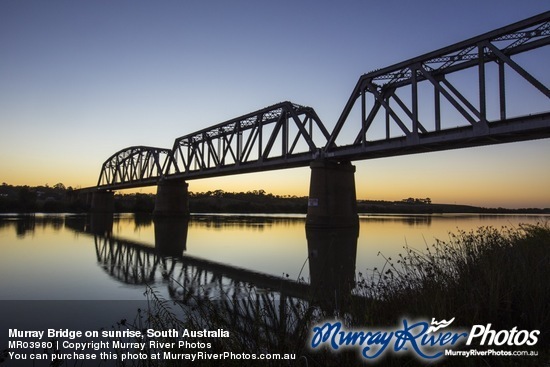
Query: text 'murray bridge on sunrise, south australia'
{"points": [[458, 96]]}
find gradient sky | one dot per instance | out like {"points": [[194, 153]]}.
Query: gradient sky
{"points": [[80, 80]]}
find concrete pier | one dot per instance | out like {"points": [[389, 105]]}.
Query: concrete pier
{"points": [[172, 198], [332, 201], [103, 202]]}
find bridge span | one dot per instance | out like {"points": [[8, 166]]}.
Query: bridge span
{"points": [[456, 97]]}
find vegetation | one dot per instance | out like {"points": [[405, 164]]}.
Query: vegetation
{"points": [[257, 201], [487, 276], [426, 206], [26, 199], [58, 199]]}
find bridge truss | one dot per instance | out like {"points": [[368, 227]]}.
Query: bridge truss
{"points": [[402, 107], [279, 136], [139, 164]]}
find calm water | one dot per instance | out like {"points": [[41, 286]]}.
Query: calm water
{"points": [[84, 273], [72, 257]]}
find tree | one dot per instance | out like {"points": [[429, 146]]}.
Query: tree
{"points": [[27, 198]]}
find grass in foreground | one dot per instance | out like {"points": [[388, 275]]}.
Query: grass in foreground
{"points": [[487, 276]]}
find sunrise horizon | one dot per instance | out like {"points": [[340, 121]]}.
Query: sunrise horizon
{"points": [[81, 82]]}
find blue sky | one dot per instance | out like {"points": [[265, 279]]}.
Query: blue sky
{"points": [[81, 80]]}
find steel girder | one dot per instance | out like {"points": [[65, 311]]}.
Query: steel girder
{"points": [[274, 137], [134, 164], [390, 96]]}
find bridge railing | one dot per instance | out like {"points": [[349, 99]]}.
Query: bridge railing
{"points": [[444, 89]]}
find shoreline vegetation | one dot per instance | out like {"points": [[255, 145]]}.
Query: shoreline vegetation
{"points": [[60, 199]]}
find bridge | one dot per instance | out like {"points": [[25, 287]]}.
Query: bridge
{"points": [[454, 97]]}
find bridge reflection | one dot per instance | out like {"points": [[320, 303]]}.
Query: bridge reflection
{"points": [[259, 307], [190, 280]]}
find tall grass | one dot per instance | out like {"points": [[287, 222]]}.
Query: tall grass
{"points": [[484, 276], [487, 275]]}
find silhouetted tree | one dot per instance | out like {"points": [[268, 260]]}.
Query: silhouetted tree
{"points": [[26, 198]]}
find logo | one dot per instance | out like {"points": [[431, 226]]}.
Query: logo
{"points": [[439, 325], [425, 340]]}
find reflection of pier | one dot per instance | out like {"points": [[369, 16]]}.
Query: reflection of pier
{"points": [[190, 280]]}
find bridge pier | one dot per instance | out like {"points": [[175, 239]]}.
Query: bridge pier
{"points": [[103, 202], [172, 198], [332, 202]]}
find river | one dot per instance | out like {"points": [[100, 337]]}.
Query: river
{"points": [[69, 273], [65, 257]]}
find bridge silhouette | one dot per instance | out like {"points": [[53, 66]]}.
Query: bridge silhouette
{"points": [[454, 97]]}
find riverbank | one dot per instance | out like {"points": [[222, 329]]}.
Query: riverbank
{"points": [[58, 199]]}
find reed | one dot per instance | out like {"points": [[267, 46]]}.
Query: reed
{"points": [[484, 276]]}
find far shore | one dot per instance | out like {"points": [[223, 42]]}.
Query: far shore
{"points": [[59, 199]]}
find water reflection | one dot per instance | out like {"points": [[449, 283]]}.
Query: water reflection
{"points": [[237, 293], [137, 263], [220, 221], [117, 257], [136, 250], [411, 220], [25, 225], [332, 258], [331, 261], [171, 235]]}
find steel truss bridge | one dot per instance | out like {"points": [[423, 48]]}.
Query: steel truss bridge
{"points": [[455, 97]]}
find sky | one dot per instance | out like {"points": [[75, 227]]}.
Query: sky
{"points": [[81, 80]]}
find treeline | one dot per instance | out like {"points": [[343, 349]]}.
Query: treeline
{"points": [[219, 201], [27, 199], [425, 206], [256, 201], [59, 199]]}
